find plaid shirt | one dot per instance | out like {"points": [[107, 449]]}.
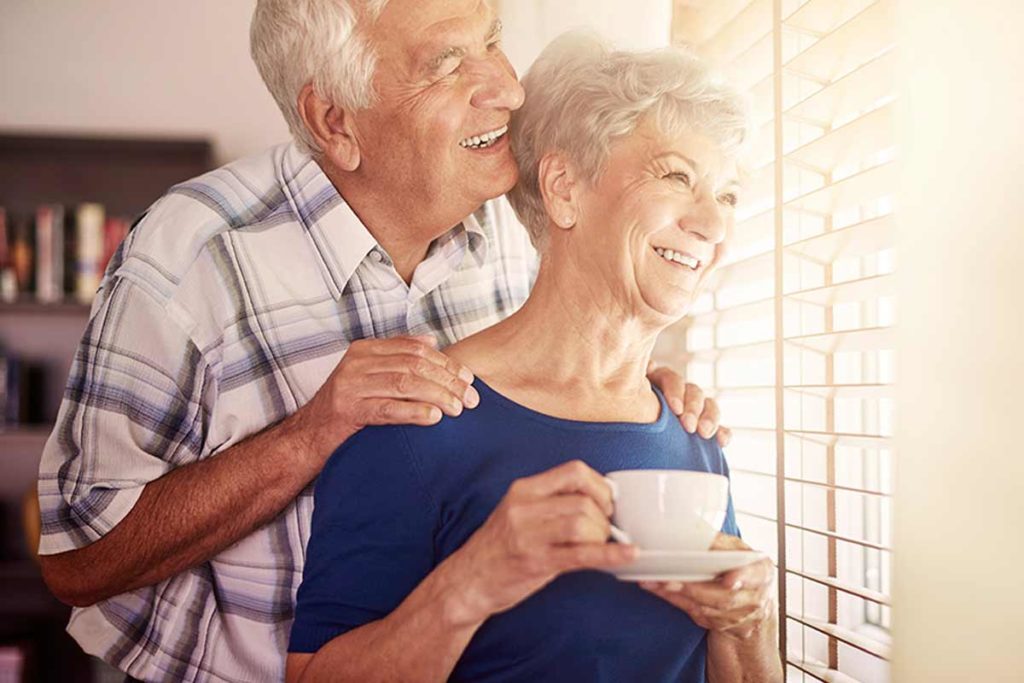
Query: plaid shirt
{"points": [[224, 311]]}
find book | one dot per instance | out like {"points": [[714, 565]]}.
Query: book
{"points": [[23, 256], [8, 280], [50, 253], [89, 250]]}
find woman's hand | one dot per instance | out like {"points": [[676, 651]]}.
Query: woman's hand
{"points": [[737, 603], [546, 525]]}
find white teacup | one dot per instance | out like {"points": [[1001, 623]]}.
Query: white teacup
{"points": [[668, 509]]}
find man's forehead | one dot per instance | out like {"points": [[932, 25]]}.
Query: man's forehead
{"points": [[425, 18]]}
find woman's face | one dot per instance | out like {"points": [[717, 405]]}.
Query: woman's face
{"points": [[656, 223]]}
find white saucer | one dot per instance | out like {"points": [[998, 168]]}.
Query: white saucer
{"points": [[684, 565]]}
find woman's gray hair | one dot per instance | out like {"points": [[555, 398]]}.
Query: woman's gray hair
{"points": [[323, 42], [581, 96]]}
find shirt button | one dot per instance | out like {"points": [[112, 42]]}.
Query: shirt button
{"points": [[377, 256]]}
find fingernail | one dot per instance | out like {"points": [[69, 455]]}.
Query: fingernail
{"points": [[435, 414], [648, 585], [456, 407], [706, 428], [673, 586], [676, 405], [690, 422], [471, 398], [737, 585], [466, 376]]}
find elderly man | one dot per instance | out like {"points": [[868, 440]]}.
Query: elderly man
{"points": [[261, 314]]}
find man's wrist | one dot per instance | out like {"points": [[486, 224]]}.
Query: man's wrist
{"points": [[457, 602]]}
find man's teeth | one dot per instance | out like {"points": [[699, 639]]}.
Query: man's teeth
{"points": [[485, 140], [681, 259]]}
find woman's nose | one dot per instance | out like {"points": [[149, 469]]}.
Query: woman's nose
{"points": [[708, 221], [499, 88]]}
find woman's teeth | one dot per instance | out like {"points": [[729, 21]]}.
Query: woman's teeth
{"points": [[483, 141], [676, 257]]}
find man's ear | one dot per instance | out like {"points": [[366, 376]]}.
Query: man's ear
{"points": [[559, 189], [331, 127]]}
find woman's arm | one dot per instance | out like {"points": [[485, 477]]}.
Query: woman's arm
{"points": [[754, 659], [546, 525], [420, 641]]}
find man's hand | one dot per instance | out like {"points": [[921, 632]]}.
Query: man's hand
{"points": [[696, 412], [736, 604], [403, 380]]}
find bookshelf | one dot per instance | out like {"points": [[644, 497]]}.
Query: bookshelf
{"points": [[125, 175]]}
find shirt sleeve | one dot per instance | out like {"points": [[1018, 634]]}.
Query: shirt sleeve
{"points": [[729, 526], [372, 538], [133, 408]]}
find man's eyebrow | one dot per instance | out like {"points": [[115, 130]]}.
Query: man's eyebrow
{"points": [[448, 53], [454, 52]]}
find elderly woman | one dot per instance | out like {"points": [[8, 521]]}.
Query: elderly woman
{"points": [[462, 550]]}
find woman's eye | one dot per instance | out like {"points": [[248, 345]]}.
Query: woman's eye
{"points": [[730, 198], [680, 176]]}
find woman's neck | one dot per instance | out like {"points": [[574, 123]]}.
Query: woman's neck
{"points": [[570, 339]]}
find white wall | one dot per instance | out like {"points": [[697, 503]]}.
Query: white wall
{"points": [[159, 67], [959, 504], [531, 24]]}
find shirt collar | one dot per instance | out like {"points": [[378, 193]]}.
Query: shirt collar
{"points": [[340, 240]]}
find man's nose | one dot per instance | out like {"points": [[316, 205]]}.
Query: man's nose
{"points": [[499, 88]]}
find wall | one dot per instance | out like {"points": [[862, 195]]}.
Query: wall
{"points": [[147, 67], [959, 508], [531, 24]]}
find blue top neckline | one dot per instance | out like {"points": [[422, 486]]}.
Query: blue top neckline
{"points": [[659, 425]]}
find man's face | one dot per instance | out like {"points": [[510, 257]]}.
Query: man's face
{"points": [[436, 138]]}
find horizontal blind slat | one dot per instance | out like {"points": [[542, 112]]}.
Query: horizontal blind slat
{"points": [[859, 239], [853, 290], [848, 46], [872, 647], [859, 591]]}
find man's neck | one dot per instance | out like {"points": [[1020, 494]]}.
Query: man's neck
{"points": [[403, 231]]}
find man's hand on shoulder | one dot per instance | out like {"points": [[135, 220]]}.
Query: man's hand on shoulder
{"points": [[402, 380], [696, 412]]}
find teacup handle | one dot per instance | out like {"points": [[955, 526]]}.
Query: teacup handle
{"points": [[617, 534]]}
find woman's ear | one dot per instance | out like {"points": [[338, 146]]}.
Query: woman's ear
{"points": [[559, 189], [331, 127]]}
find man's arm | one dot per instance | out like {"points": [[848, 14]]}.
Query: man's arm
{"points": [[195, 511]]}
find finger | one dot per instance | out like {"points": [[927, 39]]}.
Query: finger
{"points": [[411, 387], [423, 347], [693, 406], [384, 411], [753, 575], [724, 436], [572, 518], [709, 419], [571, 477], [459, 389], [672, 386], [591, 556], [724, 541]]}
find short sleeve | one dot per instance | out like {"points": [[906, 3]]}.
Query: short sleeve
{"points": [[730, 526], [135, 406], [372, 538]]}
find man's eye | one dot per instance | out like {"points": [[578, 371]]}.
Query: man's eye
{"points": [[729, 198], [684, 178]]}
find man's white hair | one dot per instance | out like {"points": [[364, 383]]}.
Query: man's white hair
{"points": [[323, 42], [581, 96]]}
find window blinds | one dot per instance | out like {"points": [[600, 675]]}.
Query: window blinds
{"points": [[794, 337]]}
